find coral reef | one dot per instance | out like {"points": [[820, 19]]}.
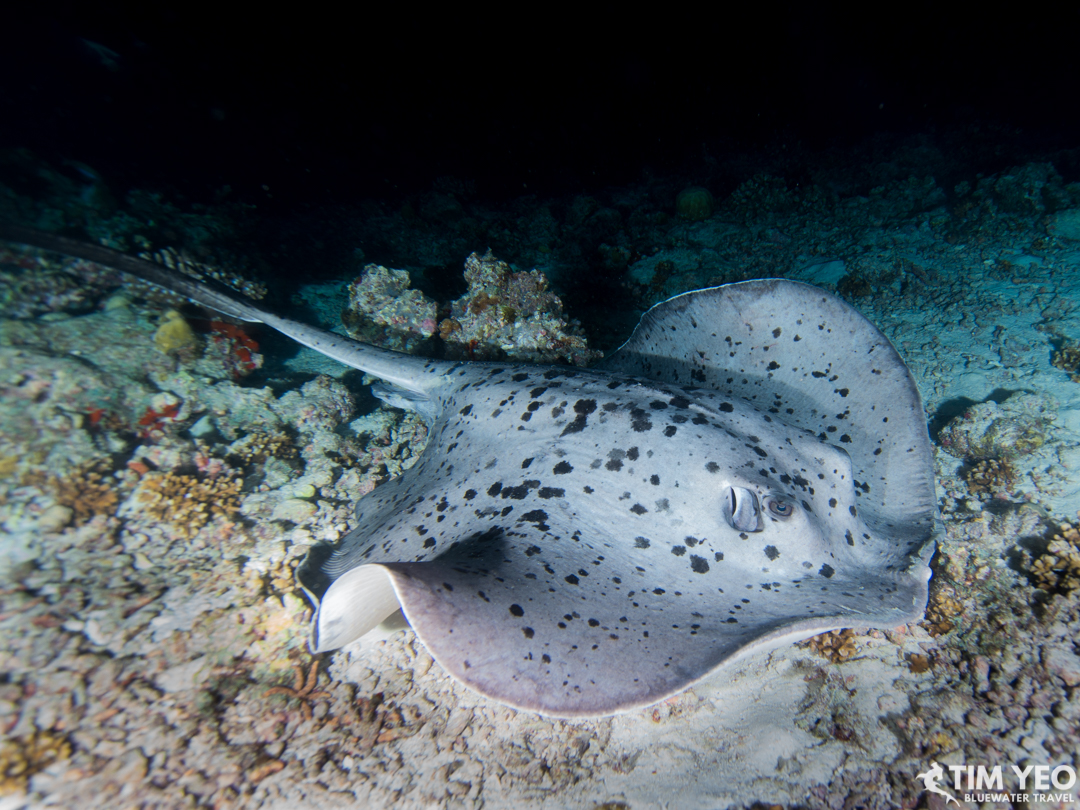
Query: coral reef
{"points": [[232, 349], [174, 335], [837, 645], [86, 492], [21, 758], [511, 314], [1067, 358], [186, 502], [989, 476], [942, 608], [1058, 568], [988, 430], [384, 311], [762, 194], [694, 203], [261, 445], [34, 283]]}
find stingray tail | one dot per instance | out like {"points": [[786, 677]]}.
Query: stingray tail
{"points": [[412, 374]]}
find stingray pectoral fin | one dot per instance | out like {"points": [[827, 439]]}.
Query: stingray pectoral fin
{"points": [[355, 603]]}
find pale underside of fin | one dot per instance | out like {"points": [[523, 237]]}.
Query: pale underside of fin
{"points": [[356, 603]]}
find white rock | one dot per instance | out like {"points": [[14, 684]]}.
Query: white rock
{"points": [[294, 510], [183, 677]]}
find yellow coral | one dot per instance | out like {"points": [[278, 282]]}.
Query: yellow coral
{"points": [[941, 609], [836, 645], [174, 334], [86, 492], [186, 502], [22, 758], [1058, 568], [989, 476], [1067, 358]]}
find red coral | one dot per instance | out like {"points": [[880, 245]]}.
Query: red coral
{"points": [[242, 345], [153, 421]]}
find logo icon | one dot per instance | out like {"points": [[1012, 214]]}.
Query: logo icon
{"points": [[930, 781]]}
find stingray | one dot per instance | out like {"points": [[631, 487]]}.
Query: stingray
{"points": [[751, 468]]}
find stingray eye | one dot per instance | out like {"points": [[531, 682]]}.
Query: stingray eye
{"points": [[741, 510], [781, 509]]}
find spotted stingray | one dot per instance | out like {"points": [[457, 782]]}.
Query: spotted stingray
{"points": [[750, 468]]}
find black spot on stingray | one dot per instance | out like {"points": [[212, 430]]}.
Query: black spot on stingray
{"points": [[545, 658], [495, 489], [712, 467], [771, 552], [678, 551], [614, 465], [536, 392], [610, 406], [571, 579], [429, 543], [642, 542], [517, 610], [470, 494], [525, 417], [632, 454], [466, 410], [827, 571], [483, 596], [761, 452], [654, 480], [842, 392], [520, 377], [849, 538], [583, 407], [679, 402], [525, 464], [534, 406], [528, 631], [535, 516], [726, 407], [638, 509], [718, 556], [658, 405], [519, 492], [588, 490], [614, 384], [551, 375], [639, 420], [776, 332], [699, 565], [854, 512], [562, 468], [551, 492], [691, 541], [773, 366], [845, 439], [506, 510], [448, 586], [697, 375], [818, 374], [670, 430], [659, 591], [832, 502], [594, 623], [531, 550], [877, 452]]}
